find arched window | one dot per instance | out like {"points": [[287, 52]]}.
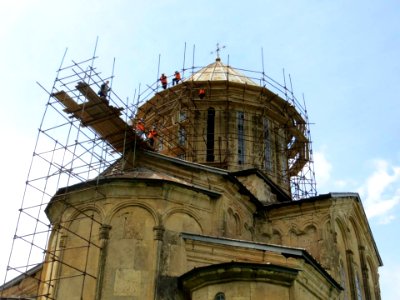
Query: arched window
{"points": [[240, 132], [282, 156], [267, 146], [210, 134], [182, 136], [219, 296], [182, 116], [358, 286]]}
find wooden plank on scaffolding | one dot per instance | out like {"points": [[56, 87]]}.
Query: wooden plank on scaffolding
{"points": [[103, 118]]}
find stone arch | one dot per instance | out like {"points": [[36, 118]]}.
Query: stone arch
{"points": [[265, 229], [356, 229], [238, 223], [327, 229], [327, 252], [354, 242], [310, 239], [248, 233], [307, 237], [341, 232], [82, 227], [80, 253], [120, 206], [186, 221], [232, 223], [300, 229], [276, 237], [129, 265], [81, 210], [310, 227], [133, 221]]}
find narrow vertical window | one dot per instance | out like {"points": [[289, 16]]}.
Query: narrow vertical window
{"points": [[240, 129], [267, 145], [210, 134], [282, 156], [182, 116], [358, 286], [182, 136]]}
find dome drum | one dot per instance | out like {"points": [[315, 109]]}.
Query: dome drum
{"points": [[237, 125]]}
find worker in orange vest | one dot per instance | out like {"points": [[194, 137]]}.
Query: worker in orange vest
{"points": [[164, 81], [151, 135], [202, 93], [177, 78], [140, 128]]}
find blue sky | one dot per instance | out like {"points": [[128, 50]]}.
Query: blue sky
{"points": [[342, 55]]}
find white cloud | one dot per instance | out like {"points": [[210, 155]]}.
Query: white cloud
{"points": [[390, 278], [322, 168], [341, 184], [387, 219], [323, 173], [381, 190]]}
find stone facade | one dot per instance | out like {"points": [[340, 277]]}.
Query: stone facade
{"points": [[24, 286], [164, 228]]}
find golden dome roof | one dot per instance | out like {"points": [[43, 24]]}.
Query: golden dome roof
{"points": [[217, 71]]}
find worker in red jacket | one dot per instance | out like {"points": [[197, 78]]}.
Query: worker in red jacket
{"points": [[164, 81], [202, 93], [177, 78], [140, 129], [151, 136]]}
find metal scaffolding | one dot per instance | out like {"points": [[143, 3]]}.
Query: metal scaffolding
{"points": [[73, 148]]}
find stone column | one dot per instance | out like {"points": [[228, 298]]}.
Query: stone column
{"points": [[103, 237], [158, 236], [365, 273], [351, 275]]}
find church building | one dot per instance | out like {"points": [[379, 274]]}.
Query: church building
{"points": [[218, 204]]}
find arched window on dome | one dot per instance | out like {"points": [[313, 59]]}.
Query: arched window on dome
{"points": [[182, 116], [210, 134], [220, 296], [281, 149], [182, 136], [267, 145], [240, 133]]}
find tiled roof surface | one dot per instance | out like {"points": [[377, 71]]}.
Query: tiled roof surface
{"points": [[218, 71]]}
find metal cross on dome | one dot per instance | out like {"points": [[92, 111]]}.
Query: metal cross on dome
{"points": [[219, 48]]}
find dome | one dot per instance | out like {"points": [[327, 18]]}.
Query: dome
{"points": [[217, 71]]}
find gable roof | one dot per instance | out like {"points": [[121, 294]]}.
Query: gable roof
{"points": [[334, 196]]}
